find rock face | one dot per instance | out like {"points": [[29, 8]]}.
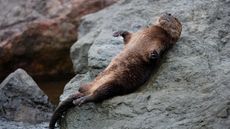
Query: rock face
{"points": [[190, 89], [41, 49], [22, 100], [37, 35], [5, 124]]}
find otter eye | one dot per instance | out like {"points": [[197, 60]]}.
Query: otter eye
{"points": [[169, 14]]}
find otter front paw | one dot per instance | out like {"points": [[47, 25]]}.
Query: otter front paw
{"points": [[120, 33]]}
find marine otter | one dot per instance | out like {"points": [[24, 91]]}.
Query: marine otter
{"points": [[131, 68]]}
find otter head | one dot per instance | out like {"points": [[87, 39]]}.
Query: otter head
{"points": [[171, 25]]}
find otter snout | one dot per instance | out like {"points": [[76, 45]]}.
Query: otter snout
{"points": [[167, 16]]}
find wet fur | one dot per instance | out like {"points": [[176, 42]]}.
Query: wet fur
{"points": [[130, 69]]}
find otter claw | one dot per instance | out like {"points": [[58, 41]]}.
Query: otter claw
{"points": [[119, 33], [116, 34]]}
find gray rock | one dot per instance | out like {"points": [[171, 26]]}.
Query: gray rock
{"points": [[22, 100], [15, 14], [5, 124], [190, 89]]}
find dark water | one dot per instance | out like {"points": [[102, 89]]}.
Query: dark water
{"points": [[53, 89], [53, 86]]}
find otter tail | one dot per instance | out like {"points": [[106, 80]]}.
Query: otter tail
{"points": [[61, 108]]}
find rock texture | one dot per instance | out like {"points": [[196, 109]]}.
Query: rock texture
{"points": [[37, 35], [5, 124], [22, 100], [190, 89]]}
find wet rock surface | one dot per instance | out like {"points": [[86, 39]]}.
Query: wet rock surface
{"points": [[190, 89]]}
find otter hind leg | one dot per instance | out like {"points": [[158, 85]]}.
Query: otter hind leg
{"points": [[84, 88], [100, 94], [107, 92]]}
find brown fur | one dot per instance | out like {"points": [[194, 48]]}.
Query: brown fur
{"points": [[130, 69]]}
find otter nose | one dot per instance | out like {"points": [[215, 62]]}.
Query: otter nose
{"points": [[169, 14]]}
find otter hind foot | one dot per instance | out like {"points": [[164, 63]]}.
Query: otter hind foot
{"points": [[81, 100]]}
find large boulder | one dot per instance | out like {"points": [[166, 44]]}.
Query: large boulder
{"points": [[22, 100], [37, 35], [190, 89], [42, 49]]}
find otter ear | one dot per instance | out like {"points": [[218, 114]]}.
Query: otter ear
{"points": [[125, 34]]}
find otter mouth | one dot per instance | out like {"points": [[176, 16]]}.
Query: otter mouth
{"points": [[165, 20]]}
